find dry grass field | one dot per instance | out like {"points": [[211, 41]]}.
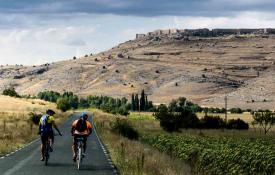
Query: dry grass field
{"points": [[16, 129]]}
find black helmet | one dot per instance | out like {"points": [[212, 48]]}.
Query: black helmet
{"points": [[50, 112]]}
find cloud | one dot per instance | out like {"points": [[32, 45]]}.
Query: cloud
{"points": [[243, 20], [35, 32], [139, 8], [40, 45]]}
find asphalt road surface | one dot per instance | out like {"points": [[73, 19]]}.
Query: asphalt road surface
{"points": [[27, 160]]}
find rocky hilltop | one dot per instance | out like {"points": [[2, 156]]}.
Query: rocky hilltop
{"points": [[201, 68]]}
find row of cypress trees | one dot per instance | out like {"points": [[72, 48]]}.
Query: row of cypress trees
{"points": [[141, 103]]}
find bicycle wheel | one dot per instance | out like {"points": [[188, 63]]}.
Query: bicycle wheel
{"points": [[46, 151], [79, 156]]}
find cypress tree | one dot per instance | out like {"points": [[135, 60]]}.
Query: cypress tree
{"points": [[146, 103], [142, 101], [137, 103], [133, 104]]}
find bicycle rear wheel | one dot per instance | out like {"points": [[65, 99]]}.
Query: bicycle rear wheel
{"points": [[46, 154]]}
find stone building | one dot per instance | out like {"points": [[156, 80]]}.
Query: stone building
{"points": [[139, 36]]}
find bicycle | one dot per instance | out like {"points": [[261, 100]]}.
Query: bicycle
{"points": [[79, 153], [47, 149]]}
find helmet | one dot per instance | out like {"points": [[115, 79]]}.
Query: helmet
{"points": [[50, 112], [84, 115]]}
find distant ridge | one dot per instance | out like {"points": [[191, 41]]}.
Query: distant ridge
{"points": [[204, 32]]}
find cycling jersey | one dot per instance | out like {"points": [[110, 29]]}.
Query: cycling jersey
{"points": [[85, 132], [46, 124]]}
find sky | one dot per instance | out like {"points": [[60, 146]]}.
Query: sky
{"points": [[44, 31]]}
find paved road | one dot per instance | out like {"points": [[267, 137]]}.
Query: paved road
{"points": [[27, 160]]}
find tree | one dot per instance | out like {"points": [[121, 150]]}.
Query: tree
{"points": [[10, 92], [137, 102], [142, 101], [63, 104], [265, 119], [146, 103], [133, 106], [173, 120]]}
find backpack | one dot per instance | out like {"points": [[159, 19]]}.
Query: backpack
{"points": [[81, 125], [45, 127]]}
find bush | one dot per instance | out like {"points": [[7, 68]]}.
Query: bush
{"points": [[173, 121], [123, 111], [212, 122], [63, 104], [124, 128], [236, 111], [50, 96], [10, 92], [237, 124], [35, 118]]}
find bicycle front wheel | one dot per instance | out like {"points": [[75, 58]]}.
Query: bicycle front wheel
{"points": [[79, 157]]}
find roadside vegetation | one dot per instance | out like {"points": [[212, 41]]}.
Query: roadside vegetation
{"points": [[178, 138], [207, 144], [143, 159], [17, 121]]}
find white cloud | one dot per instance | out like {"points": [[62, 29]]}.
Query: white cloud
{"points": [[39, 45], [41, 40], [241, 20]]}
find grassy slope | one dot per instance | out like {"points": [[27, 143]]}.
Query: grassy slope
{"points": [[15, 126]]}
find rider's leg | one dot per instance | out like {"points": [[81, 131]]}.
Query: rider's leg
{"points": [[51, 140], [84, 145], [74, 149], [42, 147]]}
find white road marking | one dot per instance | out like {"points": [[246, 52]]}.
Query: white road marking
{"points": [[19, 165], [105, 152]]}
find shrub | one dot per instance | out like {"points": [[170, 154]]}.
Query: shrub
{"points": [[173, 121], [10, 92], [123, 111], [49, 96], [237, 124], [63, 104], [236, 111], [212, 122], [35, 118], [124, 128]]}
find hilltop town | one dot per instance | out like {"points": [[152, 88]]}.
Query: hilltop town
{"points": [[183, 33]]}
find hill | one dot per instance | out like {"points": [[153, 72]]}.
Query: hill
{"points": [[203, 69]]}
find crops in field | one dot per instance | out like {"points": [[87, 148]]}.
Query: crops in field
{"points": [[219, 155]]}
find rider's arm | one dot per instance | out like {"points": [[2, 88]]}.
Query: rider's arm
{"points": [[73, 127], [72, 130], [39, 128], [55, 126], [89, 128]]}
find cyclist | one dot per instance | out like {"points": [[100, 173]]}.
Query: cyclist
{"points": [[46, 125], [80, 128]]}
